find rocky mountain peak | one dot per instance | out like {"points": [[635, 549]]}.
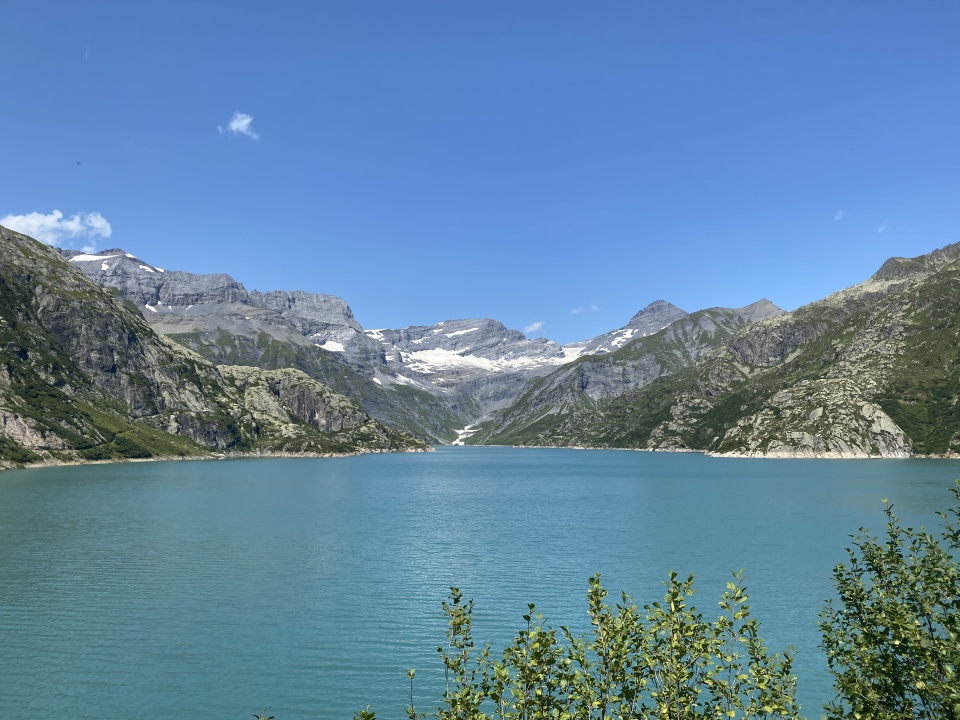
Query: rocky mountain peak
{"points": [[898, 267], [148, 286], [651, 319], [759, 310], [655, 316]]}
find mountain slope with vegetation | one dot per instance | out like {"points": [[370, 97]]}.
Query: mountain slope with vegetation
{"points": [[593, 380], [84, 377], [868, 371]]}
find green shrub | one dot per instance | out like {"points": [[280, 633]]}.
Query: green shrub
{"points": [[664, 661], [893, 641]]}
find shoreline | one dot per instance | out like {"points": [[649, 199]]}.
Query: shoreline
{"points": [[52, 462], [777, 455]]}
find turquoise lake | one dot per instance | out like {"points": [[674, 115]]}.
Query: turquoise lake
{"points": [[216, 589]]}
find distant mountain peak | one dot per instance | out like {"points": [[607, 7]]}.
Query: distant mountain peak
{"points": [[659, 313]]}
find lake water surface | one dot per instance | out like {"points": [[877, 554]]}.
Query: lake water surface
{"points": [[215, 589]]}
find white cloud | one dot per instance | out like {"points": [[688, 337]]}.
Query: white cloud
{"points": [[240, 124], [883, 226], [533, 327], [594, 308], [576, 311], [840, 215], [54, 229]]}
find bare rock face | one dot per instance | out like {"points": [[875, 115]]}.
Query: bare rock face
{"points": [[310, 313], [822, 418], [144, 284], [176, 302], [280, 394]]}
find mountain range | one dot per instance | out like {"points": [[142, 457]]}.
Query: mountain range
{"points": [[867, 371], [84, 377]]}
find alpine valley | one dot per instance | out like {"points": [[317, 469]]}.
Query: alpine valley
{"points": [[106, 356]]}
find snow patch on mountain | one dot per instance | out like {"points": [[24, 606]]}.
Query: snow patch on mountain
{"points": [[90, 258], [404, 380], [465, 433], [459, 332], [438, 360]]}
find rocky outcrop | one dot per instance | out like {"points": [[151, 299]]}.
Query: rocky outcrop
{"points": [[824, 418], [282, 394]]}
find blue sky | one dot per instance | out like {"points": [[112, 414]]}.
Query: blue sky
{"points": [[561, 163]]}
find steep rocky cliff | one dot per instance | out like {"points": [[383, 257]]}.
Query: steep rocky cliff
{"points": [[82, 376]]}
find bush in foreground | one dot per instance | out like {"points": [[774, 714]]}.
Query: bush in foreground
{"points": [[893, 639], [664, 661]]}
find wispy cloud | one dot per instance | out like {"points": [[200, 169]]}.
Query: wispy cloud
{"points": [[55, 229], [841, 214], [240, 124], [533, 327], [883, 227], [578, 310]]}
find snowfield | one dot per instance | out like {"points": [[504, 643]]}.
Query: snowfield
{"points": [[433, 361], [91, 258]]}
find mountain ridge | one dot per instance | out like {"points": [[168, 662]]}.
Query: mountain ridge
{"points": [[453, 373], [840, 377], [821, 380]]}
